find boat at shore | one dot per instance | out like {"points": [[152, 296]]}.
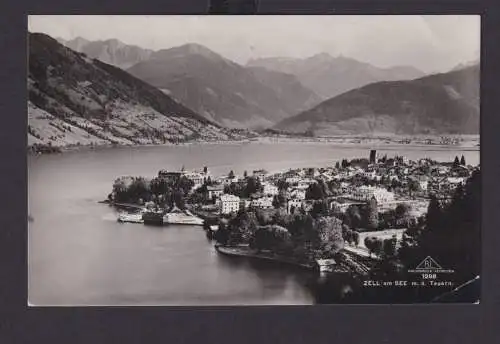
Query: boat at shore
{"points": [[132, 218], [177, 216]]}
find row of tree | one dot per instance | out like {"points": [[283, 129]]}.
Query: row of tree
{"points": [[384, 248], [164, 193], [457, 162], [299, 235]]}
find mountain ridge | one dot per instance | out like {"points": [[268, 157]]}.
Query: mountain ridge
{"points": [[439, 103], [75, 100], [231, 94], [329, 76], [111, 51]]}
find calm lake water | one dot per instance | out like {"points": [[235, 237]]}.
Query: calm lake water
{"points": [[80, 255]]}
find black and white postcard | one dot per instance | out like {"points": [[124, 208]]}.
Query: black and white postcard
{"points": [[253, 160]]}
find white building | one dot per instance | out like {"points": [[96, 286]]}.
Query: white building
{"points": [[227, 180], [229, 204], [215, 191], [197, 178], [365, 193], [270, 189], [263, 203], [304, 183], [423, 184], [369, 174], [292, 180], [455, 180]]}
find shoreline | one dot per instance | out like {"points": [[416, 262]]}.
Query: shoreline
{"points": [[246, 252], [342, 141]]}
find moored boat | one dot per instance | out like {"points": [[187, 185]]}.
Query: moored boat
{"points": [[181, 217], [133, 218]]}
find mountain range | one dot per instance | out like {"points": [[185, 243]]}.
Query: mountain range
{"points": [[76, 100], [259, 94], [83, 92], [435, 104], [222, 90], [330, 76]]}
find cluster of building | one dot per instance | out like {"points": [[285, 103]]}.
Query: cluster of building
{"points": [[389, 181]]}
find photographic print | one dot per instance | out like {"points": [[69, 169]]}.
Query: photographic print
{"points": [[202, 160]]}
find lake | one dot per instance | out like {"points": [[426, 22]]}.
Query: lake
{"points": [[80, 255]]}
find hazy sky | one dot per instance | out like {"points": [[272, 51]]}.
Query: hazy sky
{"points": [[430, 43]]}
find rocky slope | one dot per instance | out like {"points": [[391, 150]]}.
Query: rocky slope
{"points": [[75, 100], [222, 90], [329, 76], [436, 104]]}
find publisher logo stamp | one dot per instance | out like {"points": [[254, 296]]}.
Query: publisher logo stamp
{"points": [[429, 265]]}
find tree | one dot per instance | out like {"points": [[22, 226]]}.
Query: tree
{"points": [[120, 190], [389, 247], [158, 186], [370, 244], [395, 183], [271, 238], [356, 238], [316, 191], [378, 246], [205, 169], [413, 185], [462, 161], [263, 217], [279, 200], [353, 217], [371, 214], [222, 234], [345, 163], [328, 240], [337, 165], [184, 184], [253, 186], [301, 226], [245, 174], [456, 162], [231, 174], [434, 214], [402, 210], [453, 231], [281, 218], [139, 189], [178, 199], [282, 185], [320, 208]]}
